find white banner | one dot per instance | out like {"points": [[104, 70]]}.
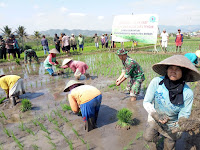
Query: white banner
{"points": [[142, 28]]}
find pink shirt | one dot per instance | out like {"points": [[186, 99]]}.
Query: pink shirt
{"points": [[81, 66]]}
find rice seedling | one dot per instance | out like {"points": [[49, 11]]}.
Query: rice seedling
{"points": [[124, 117], [66, 139], [65, 107], [28, 130], [17, 61], [2, 115], [53, 144], [1, 100], [1, 147], [78, 136], [112, 85], [42, 127], [20, 145], [47, 136], [41, 83], [6, 131], [34, 122], [49, 117], [55, 122], [21, 126], [35, 147], [26, 105]]}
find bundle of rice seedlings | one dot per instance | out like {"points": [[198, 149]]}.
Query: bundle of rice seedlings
{"points": [[124, 117], [26, 105]]}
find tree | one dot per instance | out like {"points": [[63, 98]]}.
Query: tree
{"points": [[6, 31], [21, 33], [37, 37]]}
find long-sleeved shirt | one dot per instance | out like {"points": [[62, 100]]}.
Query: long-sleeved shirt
{"points": [[8, 81], [157, 100], [80, 41], [44, 42], [83, 94], [72, 41], [81, 66], [49, 61], [30, 53], [65, 40], [192, 57]]}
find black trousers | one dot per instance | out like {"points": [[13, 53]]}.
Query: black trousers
{"points": [[57, 48], [3, 53]]}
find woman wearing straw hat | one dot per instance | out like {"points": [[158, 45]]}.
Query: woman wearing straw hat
{"points": [[86, 98], [13, 85], [131, 69], [193, 57], [169, 98], [51, 60], [78, 67]]}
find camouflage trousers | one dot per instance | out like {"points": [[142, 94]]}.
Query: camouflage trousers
{"points": [[134, 86]]}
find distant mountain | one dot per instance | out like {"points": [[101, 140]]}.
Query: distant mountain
{"points": [[76, 32], [185, 28]]}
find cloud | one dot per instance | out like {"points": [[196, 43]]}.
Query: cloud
{"points": [[63, 9], [2, 4], [35, 6], [77, 14], [100, 17], [41, 14]]}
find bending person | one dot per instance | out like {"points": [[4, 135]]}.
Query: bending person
{"points": [[28, 54], [78, 67], [86, 98], [13, 85], [193, 57], [50, 61], [168, 98]]}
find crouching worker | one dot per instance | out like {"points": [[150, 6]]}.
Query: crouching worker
{"points": [[78, 67], [131, 69], [85, 98], [168, 98], [13, 86], [50, 61], [193, 57], [28, 54]]}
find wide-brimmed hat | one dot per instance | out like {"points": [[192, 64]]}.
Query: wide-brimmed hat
{"points": [[2, 75], [121, 51], [65, 61], [70, 83], [55, 51], [198, 53], [190, 75]]}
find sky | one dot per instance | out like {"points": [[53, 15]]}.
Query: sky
{"points": [[41, 15]]}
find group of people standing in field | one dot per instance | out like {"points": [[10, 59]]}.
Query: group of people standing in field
{"points": [[64, 42], [104, 40], [165, 38], [9, 47]]}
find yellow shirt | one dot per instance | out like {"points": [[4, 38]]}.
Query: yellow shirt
{"points": [[83, 94], [7, 82]]}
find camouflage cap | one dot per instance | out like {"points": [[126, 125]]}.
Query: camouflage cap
{"points": [[121, 51]]}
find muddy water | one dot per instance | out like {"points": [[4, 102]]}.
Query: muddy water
{"points": [[46, 94]]}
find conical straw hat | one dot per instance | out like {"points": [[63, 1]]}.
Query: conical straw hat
{"points": [[55, 51], [191, 74], [65, 61], [198, 53], [70, 83]]}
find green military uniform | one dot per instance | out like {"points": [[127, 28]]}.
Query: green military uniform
{"points": [[133, 71], [29, 53]]}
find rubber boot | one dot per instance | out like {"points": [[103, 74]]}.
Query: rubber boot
{"points": [[12, 101]]}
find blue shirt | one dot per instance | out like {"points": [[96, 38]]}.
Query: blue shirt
{"points": [[158, 95], [192, 57], [44, 42]]}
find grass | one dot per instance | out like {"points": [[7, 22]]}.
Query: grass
{"points": [[26, 105], [124, 117], [65, 107], [1, 100], [19, 144]]}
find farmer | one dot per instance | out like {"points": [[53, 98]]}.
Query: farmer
{"points": [[80, 42], [133, 70], [165, 38], [179, 40], [78, 67], [45, 45], [28, 54], [2, 48], [13, 86], [193, 57], [73, 42], [51, 60], [86, 98], [168, 98], [10, 46], [96, 40]]}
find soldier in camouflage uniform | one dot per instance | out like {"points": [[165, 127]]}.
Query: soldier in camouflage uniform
{"points": [[29, 53], [131, 69], [2, 48]]}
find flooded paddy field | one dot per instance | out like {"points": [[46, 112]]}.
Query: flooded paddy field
{"points": [[47, 126]]}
